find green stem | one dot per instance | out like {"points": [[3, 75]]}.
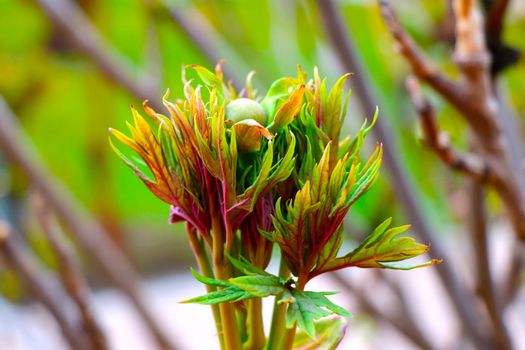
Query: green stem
{"points": [[203, 260], [279, 314], [230, 332], [256, 338], [289, 336]]}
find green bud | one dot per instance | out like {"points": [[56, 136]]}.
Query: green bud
{"points": [[244, 108]]}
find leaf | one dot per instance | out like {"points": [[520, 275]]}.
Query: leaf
{"points": [[248, 134], [245, 267], [382, 248], [259, 286], [209, 281], [288, 110], [329, 333], [278, 90], [208, 77], [231, 293], [305, 307]]}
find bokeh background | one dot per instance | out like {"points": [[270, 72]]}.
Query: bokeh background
{"points": [[66, 100]]}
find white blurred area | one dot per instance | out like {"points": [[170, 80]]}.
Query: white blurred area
{"points": [[30, 327]]}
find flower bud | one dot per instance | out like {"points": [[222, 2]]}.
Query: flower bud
{"points": [[245, 108]]}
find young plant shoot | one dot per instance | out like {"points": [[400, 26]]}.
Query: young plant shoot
{"points": [[248, 173]]}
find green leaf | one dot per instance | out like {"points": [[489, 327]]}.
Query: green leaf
{"points": [[245, 267], [231, 293], [278, 90], [259, 286], [209, 281], [208, 77], [305, 307], [382, 248], [329, 333]]}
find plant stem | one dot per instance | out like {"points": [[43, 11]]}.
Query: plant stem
{"points": [[279, 314], [205, 268], [256, 338], [289, 336], [230, 331]]}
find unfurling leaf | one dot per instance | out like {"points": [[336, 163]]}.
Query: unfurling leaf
{"points": [[382, 249], [306, 307], [329, 332]]}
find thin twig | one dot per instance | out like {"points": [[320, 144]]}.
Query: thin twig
{"points": [[439, 142], [73, 282], [69, 18], [403, 189], [485, 283], [43, 286], [16, 146]]}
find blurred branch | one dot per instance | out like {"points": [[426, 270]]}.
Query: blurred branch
{"points": [[439, 142], [197, 29], [67, 17], [404, 190], [421, 67], [73, 282], [95, 241], [42, 285], [495, 16], [401, 322], [484, 280], [473, 98]]}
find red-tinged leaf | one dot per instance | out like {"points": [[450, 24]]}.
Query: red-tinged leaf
{"points": [[249, 134], [288, 111], [383, 247]]}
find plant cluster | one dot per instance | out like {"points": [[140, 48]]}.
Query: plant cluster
{"points": [[247, 174]]}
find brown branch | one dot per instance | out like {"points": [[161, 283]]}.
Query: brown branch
{"points": [[90, 234], [473, 98], [401, 322], [469, 164], [42, 285], [73, 282], [495, 17], [420, 65], [403, 188], [454, 93], [512, 281], [67, 17], [485, 283]]}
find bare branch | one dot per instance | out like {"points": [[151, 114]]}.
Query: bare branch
{"points": [[89, 233], [73, 282], [496, 16], [419, 64], [401, 185], [485, 283], [469, 164], [43, 286]]}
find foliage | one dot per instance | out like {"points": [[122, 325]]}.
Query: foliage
{"points": [[218, 174]]}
